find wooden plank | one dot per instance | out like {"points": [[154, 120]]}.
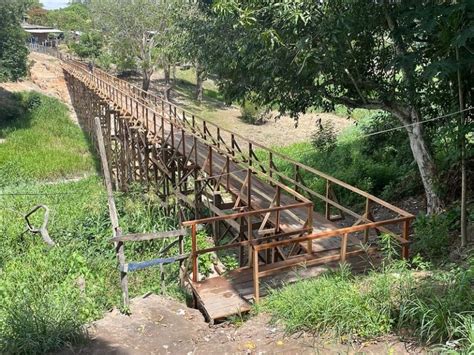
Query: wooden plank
{"points": [[138, 237], [219, 298]]}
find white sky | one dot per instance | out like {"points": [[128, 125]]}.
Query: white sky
{"points": [[54, 4]]}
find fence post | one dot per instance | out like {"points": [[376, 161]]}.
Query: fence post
{"points": [[194, 255], [344, 247], [406, 236], [256, 283]]}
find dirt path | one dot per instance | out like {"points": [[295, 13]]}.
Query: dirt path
{"points": [[159, 325]]}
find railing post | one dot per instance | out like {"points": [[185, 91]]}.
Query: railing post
{"points": [[367, 215], [277, 204], [250, 238], [249, 189], [344, 247], [328, 211], [227, 168], [309, 224], [256, 283], [406, 236], [297, 178], [209, 157], [194, 254], [183, 142], [250, 153], [232, 144], [270, 165]]}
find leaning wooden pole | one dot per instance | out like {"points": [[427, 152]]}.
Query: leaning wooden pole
{"points": [[119, 247]]}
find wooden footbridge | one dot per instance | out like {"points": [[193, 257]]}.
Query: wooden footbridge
{"points": [[255, 202]]}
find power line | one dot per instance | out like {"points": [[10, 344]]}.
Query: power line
{"points": [[400, 127], [415, 123]]}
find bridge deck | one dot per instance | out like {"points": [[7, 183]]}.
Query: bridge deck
{"points": [[230, 294], [262, 194]]}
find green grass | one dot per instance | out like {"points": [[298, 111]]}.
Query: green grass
{"points": [[41, 141], [433, 309], [48, 294], [384, 169]]}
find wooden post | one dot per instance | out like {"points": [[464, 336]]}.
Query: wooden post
{"points": [[277, 204], [119, 246], [249, 238], [309, 224], [194, 255], [209, 157], [328, 208], [249, 189], [406, 236], [250, 153], [367, 215], [256, 283], [297, 178], [270, 165], [241, 239], [344, 247]]}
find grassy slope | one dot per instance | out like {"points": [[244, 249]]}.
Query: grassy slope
{"points": [[42, 144]]}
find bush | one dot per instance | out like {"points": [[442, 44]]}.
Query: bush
{"points": [[325, 137], [431, 239], [252, 113]]}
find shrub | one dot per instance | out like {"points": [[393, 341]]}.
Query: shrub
{"points": [[325, 137], [431, 238], [252, 113]]}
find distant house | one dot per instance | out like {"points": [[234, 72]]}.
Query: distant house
{"points": [[44, 35]]}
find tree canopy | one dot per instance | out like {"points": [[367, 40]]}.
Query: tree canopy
{"points": [[397, 57], [13, 52]]}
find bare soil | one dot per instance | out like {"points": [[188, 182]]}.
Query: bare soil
{"points": [[282, 131], [159, 325]]}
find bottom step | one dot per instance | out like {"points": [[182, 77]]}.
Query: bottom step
{"points": [[218, 298]]}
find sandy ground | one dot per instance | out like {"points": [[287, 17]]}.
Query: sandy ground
{"points": [[158, 325], [274, 132]]}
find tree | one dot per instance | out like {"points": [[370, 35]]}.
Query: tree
{"points": [[74, 17], [13, 52], [38, 16], [88, 46], [363, 54], [193, 29], [137, 30]]}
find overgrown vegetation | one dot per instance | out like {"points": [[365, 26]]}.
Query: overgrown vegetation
{"points": [[48, 294], [253, 113], [38, 126], [434, 307]]}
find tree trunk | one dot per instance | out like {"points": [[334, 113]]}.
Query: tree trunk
{"points": [[174, 74], [166, 69], [199, 82], [426, 167], [146, 79]]}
